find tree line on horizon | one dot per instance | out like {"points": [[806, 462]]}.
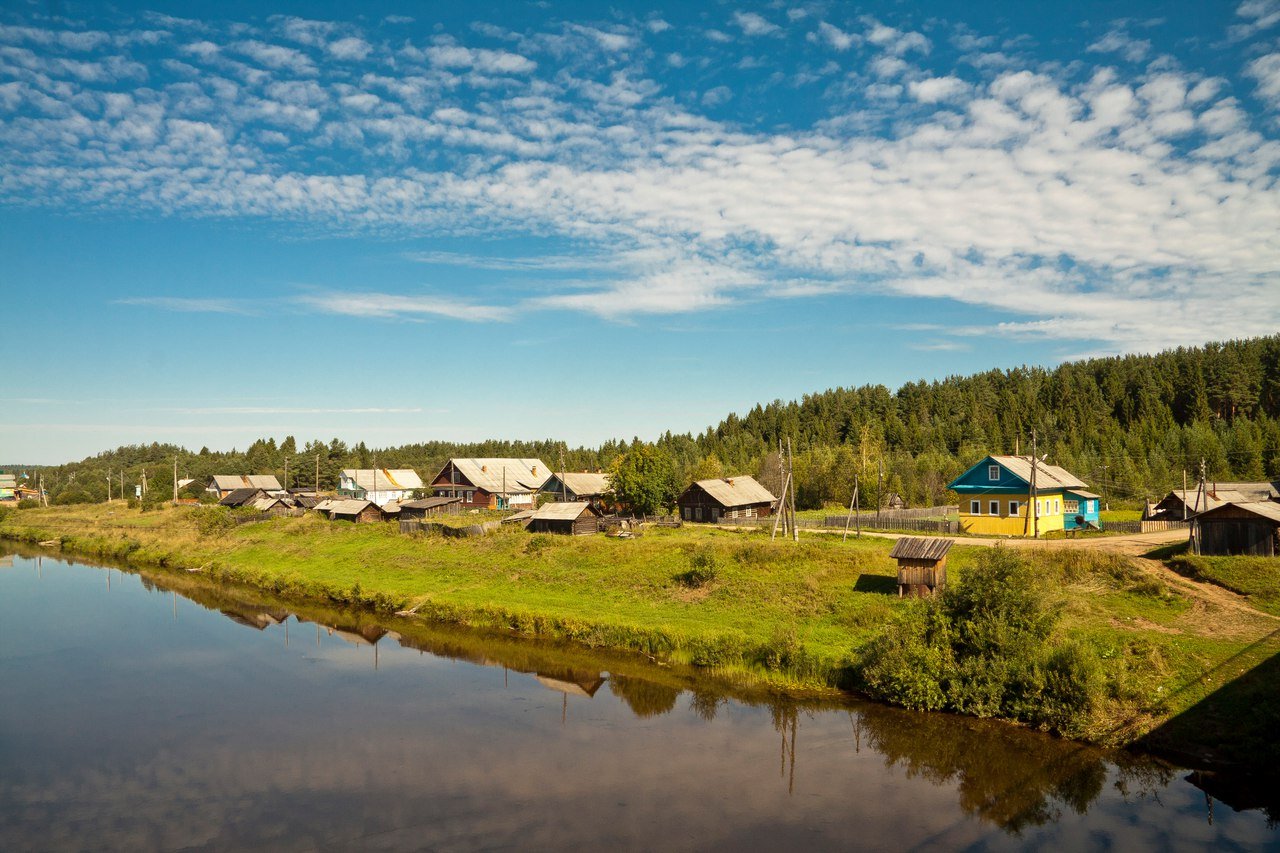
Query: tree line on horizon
{"points": [[1129, 426]]}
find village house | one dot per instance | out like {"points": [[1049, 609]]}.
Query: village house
{"points": [[222, 485], [1179, 504], [491, 483], [578, 486], [8, 488], [1238, 528], [242, 497], [357, 510], [380, 485], [574, 518], [995, 498], [725, 497]]}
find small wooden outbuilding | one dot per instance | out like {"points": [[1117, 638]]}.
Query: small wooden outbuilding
{"points": [[242, 497], [571, 518], [1238, 528], [430, 506], [359, 511], [922, 564]]}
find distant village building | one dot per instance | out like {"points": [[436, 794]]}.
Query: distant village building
{"points": [[494, 483], [725, 497], [426, 507], [380, 485], [922, 564], [357, 510], [894, 501], [276, 506], [1238, 528], [242, 497], [574, 518], [8, 488], [222, 485], [578, 486], [1179, 504], [995, 498]]}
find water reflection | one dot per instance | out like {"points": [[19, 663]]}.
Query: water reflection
{"points": [[210, 736]]}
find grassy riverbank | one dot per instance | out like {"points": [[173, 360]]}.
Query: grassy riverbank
{"points": [[790, 617]]}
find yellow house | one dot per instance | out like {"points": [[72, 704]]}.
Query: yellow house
{"points": [[995, 498]]}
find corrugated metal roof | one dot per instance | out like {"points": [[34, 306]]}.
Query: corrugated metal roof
{"points": [[1047, 476], [429, 503], [920, 548], [1084, 494], [8, 481], [324, 505], [1258, 491], [387, 478], [522, 475], [240, 497], [349, 507], [1267, 509], [562, 511], [736, 491], [584, 482]]}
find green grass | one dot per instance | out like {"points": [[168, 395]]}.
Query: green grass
{"points": [[1120, 515], [1256, 577], [777, 614]]}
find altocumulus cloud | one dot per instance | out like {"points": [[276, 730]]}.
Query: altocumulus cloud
{"points": [[1128, 207]]}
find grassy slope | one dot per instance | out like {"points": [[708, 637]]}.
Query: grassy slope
{"points": [[1255, 577], [794, 616]]}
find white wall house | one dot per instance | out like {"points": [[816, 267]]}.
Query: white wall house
{"points": [[380, 485]]}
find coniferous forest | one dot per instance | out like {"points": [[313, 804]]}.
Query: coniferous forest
{"points": [[1128, 425]]}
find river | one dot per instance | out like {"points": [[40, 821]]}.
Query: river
{"points": [[151, 711]]}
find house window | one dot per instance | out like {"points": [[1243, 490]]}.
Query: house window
{"points": [[975, 507], [994, 507], [1057, 506], [993, 472], [1073, 507], [1014, 507]]}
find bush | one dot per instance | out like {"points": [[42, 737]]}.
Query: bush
{"points": [[28, 503], [984, 648], [704, 567], [212, 521], [73, 494]]}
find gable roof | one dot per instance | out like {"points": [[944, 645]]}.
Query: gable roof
{"points": [[240, 497], [522, 475], [563, 511], [387, 478], [920, 548], [1269, 510], [1019, 467], [227, 482], [8, 481], [353, 506], [735, 491], [428, 503], [581, 482]]}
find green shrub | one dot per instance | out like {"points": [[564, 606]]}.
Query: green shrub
{"points": [[704, 567], [213, 521], [28, 503]]}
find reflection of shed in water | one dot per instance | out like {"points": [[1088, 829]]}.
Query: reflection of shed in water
{"points": [[571, 682], [364, 635], [252, 618], [6, 562]]}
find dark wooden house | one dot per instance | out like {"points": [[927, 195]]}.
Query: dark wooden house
{"points": [[357, 510], [427, 507], [573, 518], [242, 497], [922, 564], [894, 501], [1179, 504], [491, 483], [727, 497], [1238, 528], [578, 486]]}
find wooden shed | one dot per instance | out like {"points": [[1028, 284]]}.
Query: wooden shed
{"points": [[242, 497], [356, 510], [571, 518], [1238, 528], [922, 564], [430, 506]]}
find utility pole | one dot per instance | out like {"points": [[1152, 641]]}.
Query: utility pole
{"points": [[879, 489], [144, 482], [108, 487], [1035, 494], [317, 475], [564, 488], [1184, 494], [853, 508], [286, 473], [791, 467], [175, 480]]}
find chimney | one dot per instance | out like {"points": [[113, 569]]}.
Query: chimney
{"points": [[535, 470], [484, 468]]}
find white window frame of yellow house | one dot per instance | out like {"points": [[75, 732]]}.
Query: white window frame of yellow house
{"points": [[975, 507], [1014, 508], [993, 472], [1057, 506], [993, 508], [1039, 508]]}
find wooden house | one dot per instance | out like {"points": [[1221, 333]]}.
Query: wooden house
{"points": [[995, 498], [356, 510], [276, 506], [1238, 528], [427, 507], [922, 564], [578, 486], [222, 485], [893, 500], [491, 483], [726, 497], [8, 488], [1179, 505], [379, 485], [576, 518], [242, 497]]}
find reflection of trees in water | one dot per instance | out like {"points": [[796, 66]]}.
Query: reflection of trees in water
{"points": [[705, 705], [1012, 778], [644, 698]]}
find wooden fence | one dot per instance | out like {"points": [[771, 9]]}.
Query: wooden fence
{"points": [[1143, 526], [868, 522]]}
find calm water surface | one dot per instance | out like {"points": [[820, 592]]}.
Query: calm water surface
{"points": [[135, 717]]}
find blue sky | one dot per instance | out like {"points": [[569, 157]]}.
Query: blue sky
{"points": [[427, 221]]}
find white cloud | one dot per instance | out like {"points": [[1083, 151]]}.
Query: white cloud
{"points": [[835, 37], [1265, 70], [1118, 41], [350, 48], [387, 305], [894, 41], [1259, 15], [752, 24], [189, 305], [937, 89], [481, 59]]}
